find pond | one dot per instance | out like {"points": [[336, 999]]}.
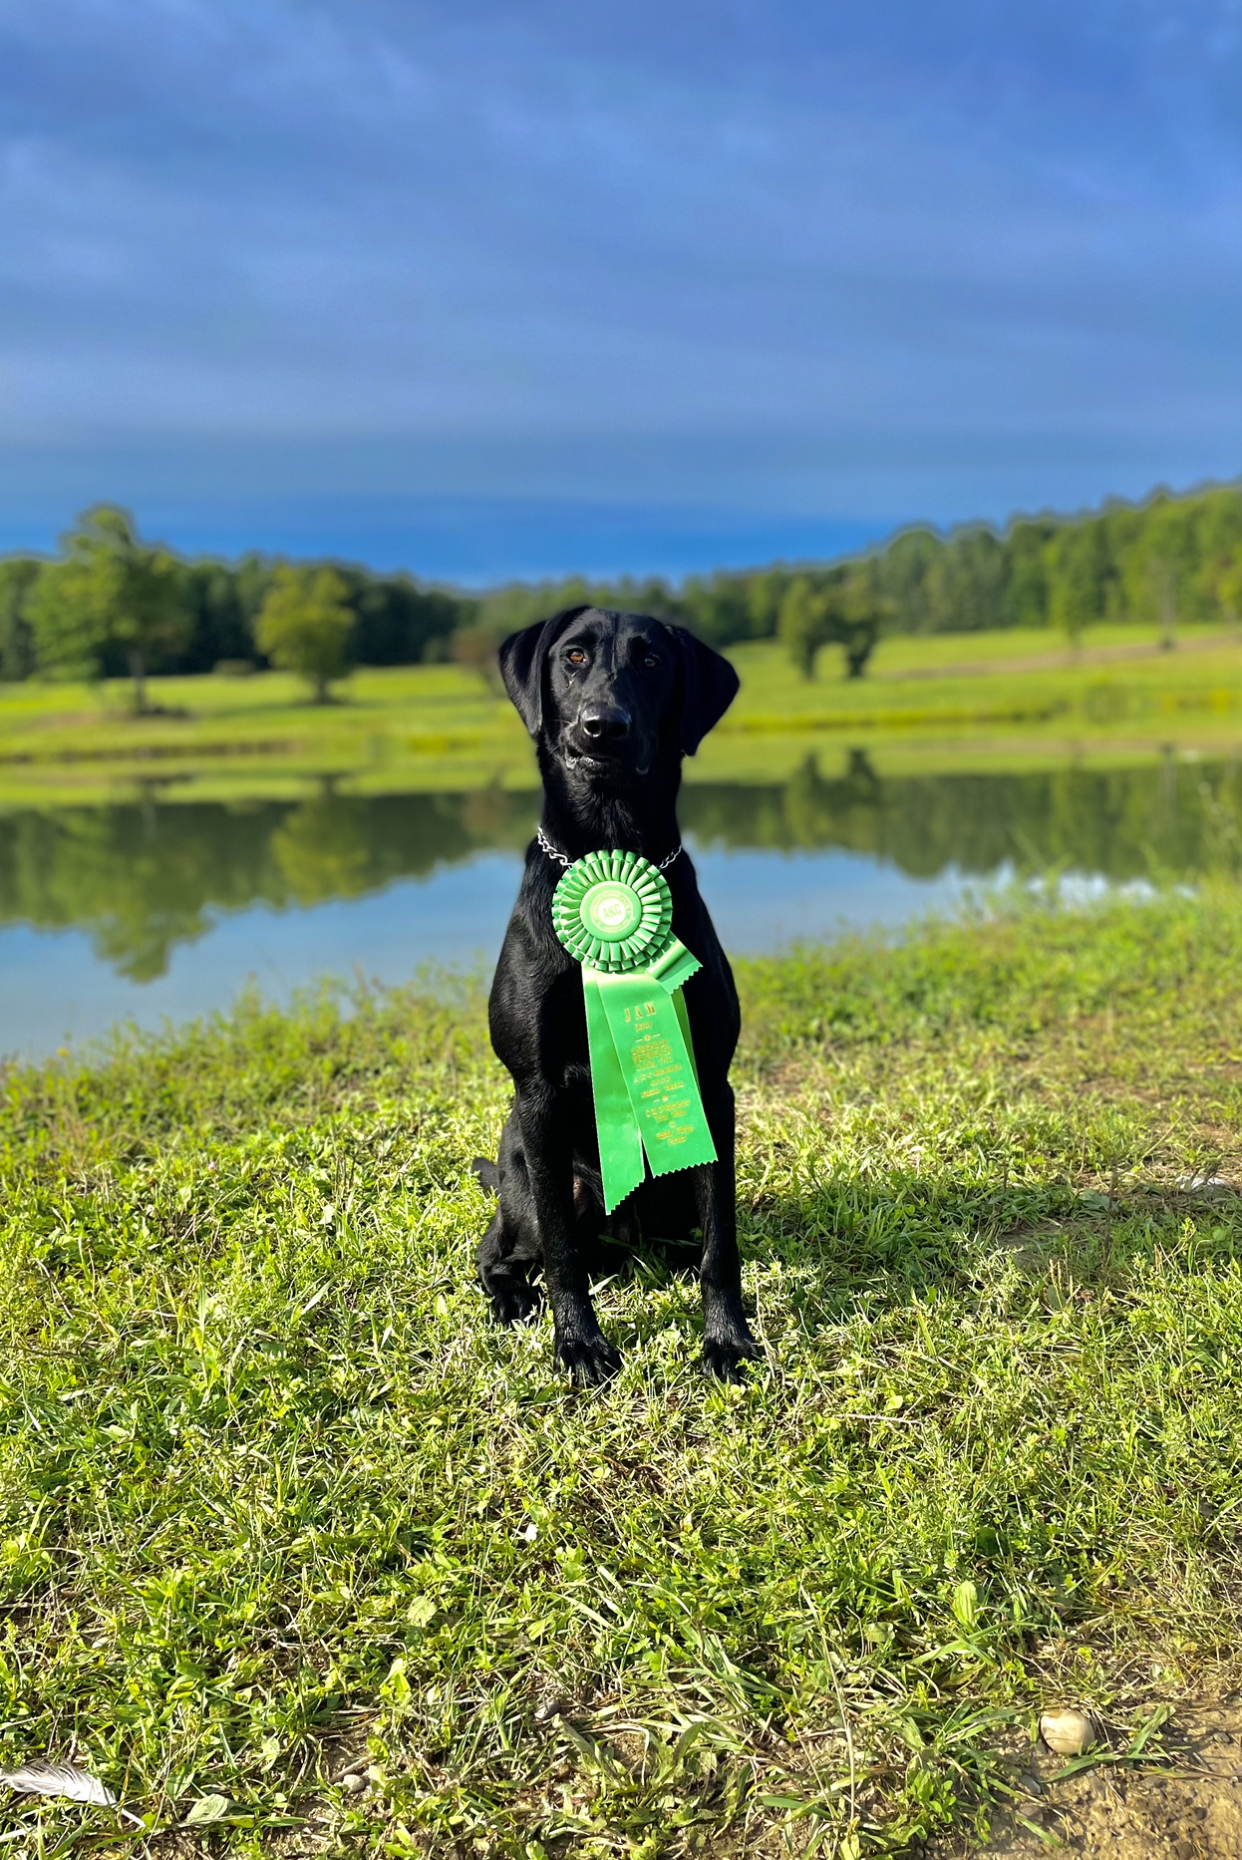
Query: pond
{"points": [[162, 907]]}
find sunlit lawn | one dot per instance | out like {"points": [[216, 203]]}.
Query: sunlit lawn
{"points": [[277, 1502], [910, 680]]}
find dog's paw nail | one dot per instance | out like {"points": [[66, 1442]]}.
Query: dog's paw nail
{"points": [[726, 1357], [589, 1361]]}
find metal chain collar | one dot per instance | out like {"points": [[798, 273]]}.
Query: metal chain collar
{"points": [[560, 858]]}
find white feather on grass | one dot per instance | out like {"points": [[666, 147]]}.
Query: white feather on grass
{"points": [[63, 1779]]}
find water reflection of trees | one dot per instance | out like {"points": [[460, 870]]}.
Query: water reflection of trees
{"points": [[142, 877], [1168, 817]]}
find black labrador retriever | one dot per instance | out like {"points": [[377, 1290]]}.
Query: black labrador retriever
{"points": [[613, 701]]}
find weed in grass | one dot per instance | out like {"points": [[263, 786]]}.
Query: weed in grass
{"points": [[278, 1502]]}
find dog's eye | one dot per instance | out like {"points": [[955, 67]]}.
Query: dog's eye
{"points": [[576, 656], [650, 659]]}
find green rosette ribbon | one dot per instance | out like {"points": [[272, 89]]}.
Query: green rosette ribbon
{"points": [[613, 911]]}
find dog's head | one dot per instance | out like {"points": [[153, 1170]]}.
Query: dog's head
{"points": [[608, 695]]}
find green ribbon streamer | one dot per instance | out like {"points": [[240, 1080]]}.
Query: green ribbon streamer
{"points": [[613, 911]]}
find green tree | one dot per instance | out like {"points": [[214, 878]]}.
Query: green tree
{"points": [[802, 624], [109, 594], [974, 569], [1078, 571], [1228, 591], [305, 625], [907, 570], [1162, 577], [859, 611], [1026, 587], [1217, 546], [18, 575], [1163, 563], [842, 609]]}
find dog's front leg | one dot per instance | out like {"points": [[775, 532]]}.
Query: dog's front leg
{"points": [[727, 1339], [580, 1343]]}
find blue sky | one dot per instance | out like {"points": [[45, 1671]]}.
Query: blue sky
{"points": [[492, 289]]}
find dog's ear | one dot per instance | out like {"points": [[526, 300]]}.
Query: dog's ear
{"points": [[523, 657], [709, 685]]}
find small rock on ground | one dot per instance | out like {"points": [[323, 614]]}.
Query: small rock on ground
{"points": [[1130, 1814]]}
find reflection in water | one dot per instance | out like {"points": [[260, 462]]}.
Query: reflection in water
{"points": [[1166, 819], [142, 877]]}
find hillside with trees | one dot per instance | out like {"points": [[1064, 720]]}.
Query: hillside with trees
{"points": [[111, 605]]}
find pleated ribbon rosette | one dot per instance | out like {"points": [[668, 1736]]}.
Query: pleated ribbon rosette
{"points": [[613, 911]]}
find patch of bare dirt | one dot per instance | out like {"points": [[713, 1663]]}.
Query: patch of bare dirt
{"points": [[1185, 1805]]}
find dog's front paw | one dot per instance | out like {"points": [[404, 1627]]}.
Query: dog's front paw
{"points": [[725, 1355], [515, 1303], [590, 1359]]}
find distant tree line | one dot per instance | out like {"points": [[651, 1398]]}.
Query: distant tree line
{"points": [[111, 605]]}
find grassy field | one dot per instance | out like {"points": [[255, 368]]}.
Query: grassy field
{"points": [[280, 1505], [1001, 693]]}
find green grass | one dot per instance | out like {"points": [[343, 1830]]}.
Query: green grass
{"points": [[442, 726], [914, 685], [277, 1497], [435, 715]]}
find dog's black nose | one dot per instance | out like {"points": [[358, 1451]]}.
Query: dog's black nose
{"points": [[603, 723]]}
